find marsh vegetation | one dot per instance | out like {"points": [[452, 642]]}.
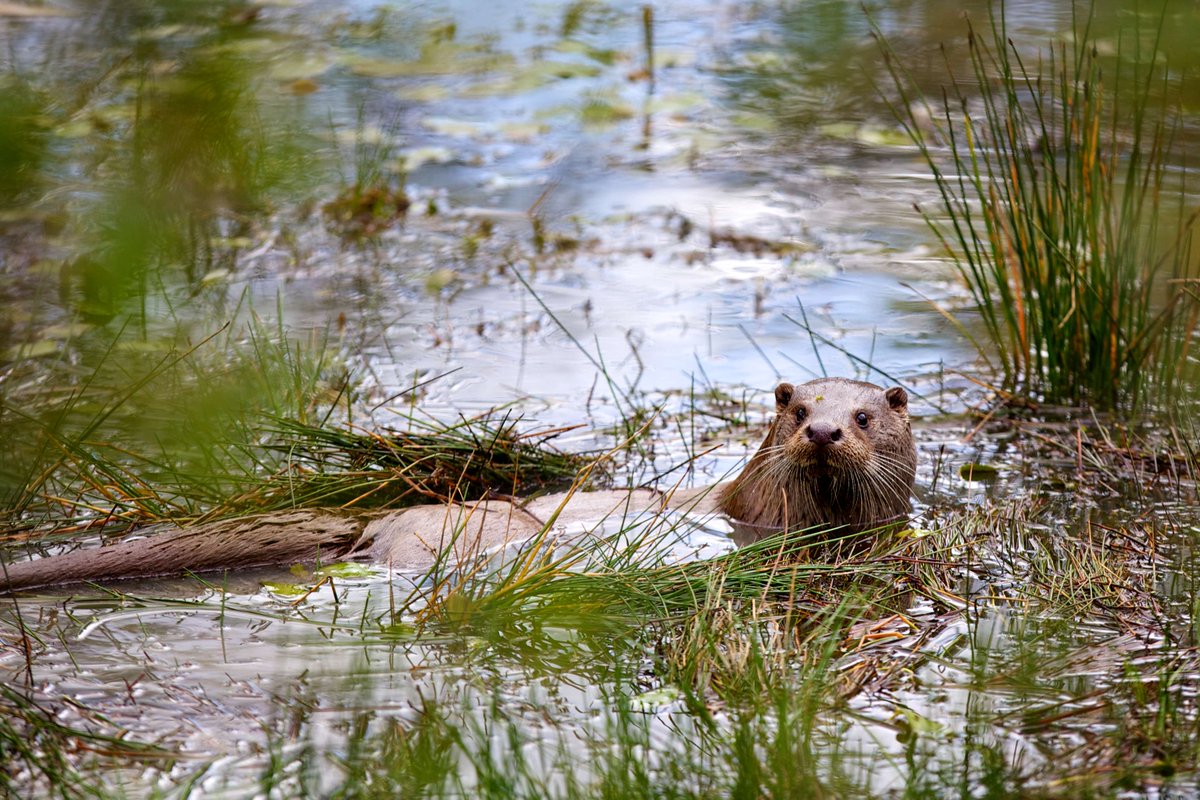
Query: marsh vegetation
{"points": [[279, 256]]}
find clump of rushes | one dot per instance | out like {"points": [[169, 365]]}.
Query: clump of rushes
{"points": [[1056, 207], [374, 199], [431, 461]]}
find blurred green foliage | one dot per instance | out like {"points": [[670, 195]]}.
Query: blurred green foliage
{"points": [[23, 139]]}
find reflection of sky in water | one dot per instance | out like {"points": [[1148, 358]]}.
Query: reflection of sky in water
{"points": [[666, 311], [665, 316]]}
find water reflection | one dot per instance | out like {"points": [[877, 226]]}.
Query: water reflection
{"points": [[164, 164]]}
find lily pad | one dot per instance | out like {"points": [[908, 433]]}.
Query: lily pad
{"points": [[345, 569], [656, 698], [423, 93], [978, 472], [453, 127], [417, 157], [439, 279], [304, 65], [534, 76], [285, 589], [440, 58], [604, 56]]}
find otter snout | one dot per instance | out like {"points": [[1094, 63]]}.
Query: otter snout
{"points": [[822, 434]]}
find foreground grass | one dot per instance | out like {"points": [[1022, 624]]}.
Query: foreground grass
{"points": [[1001, 650], [235, 427], [37, 749], [916, 664], [1061, 209]]}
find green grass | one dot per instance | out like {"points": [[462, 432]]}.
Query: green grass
{"points": [[600, 672], [322, 464], [37, 749], [240, 426], [127, 430], [1060, 207]]}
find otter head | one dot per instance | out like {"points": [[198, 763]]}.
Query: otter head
{"points": [[839, 454]]}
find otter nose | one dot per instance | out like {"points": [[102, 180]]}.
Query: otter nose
{"points": [[822, 433]]}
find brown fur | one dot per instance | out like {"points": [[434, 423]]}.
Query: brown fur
{"points": [[412, 538], [860, 479], [818, 467], [254, 541]]}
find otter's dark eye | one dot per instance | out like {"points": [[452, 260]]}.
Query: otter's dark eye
{"points": [[801, 414], [861, 418]]}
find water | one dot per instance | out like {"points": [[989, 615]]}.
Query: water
{"points": [[566, 212]]}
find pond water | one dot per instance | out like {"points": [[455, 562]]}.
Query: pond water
{"points": [[595, 224]]}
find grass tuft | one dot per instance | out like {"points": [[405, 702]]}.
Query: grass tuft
{"points": [[1057, 204], [431, 461]]}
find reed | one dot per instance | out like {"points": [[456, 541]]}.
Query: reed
{"points": [[1059, 205], [428, 461]]}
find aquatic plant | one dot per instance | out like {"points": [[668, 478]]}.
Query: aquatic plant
{"points": [[250, 441], [429, 460], [39, 750], [1058, 205]]}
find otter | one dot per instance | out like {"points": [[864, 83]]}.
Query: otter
{"points": [[838, 454]]}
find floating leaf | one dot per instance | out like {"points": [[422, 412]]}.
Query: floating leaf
{"points": [[441, 58], [439, 279], [453, 127], [293, 68], [534, 76], [416, 157], [285, 589], [523, 131], [346, 569], [423, 93], [655, 698], [977, 472]]}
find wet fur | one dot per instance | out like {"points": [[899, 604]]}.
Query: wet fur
{"points": [[863, 482], [860, 482]]}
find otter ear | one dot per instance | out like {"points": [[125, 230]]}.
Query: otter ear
{"points": [[783, 395], [897, 398]]}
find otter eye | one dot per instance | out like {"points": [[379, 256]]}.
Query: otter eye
{"points": [[801, 414], [861, 418]]}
